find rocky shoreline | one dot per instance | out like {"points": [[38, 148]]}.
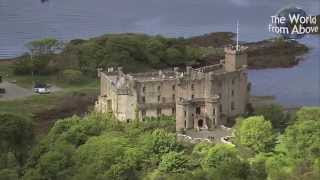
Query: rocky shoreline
{"points": [[271, 53]]}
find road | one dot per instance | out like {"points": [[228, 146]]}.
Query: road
{"points": [[14, 91]]}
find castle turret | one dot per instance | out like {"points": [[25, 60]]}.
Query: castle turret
{"points": [[235, 58]]}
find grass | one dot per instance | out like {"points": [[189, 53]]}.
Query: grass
{"points": [[37, 103], [28, 106]]}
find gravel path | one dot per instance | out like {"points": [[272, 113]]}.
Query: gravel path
{"points": [[217, 133]]}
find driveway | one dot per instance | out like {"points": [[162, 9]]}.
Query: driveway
{"points": [[216, 133], [14, 91]]}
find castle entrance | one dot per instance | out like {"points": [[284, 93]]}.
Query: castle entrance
{"points": [[200, 123]]}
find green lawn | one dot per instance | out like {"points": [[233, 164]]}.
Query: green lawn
{"points": [[37, 103]]}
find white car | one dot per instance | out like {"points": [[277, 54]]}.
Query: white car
{"points": [[42, 90]]}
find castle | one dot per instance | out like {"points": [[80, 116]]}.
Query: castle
{"points": [[199, 98]]}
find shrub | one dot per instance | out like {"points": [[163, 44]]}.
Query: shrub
{"points": [[72, 76]]}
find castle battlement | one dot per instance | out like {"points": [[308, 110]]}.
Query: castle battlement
{"points": [[233, 49]]}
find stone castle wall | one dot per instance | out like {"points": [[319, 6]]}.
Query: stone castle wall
{"points": [[199, 98]]}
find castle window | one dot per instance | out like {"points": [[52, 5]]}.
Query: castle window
{"points": [[159, 98], [173, 87], [180, 98], [159, 111], [232, 93], [192, 86], [232, 106], [198, 110], [173, 110], [192, 96], [220, 107], [185, 113], [173, 97], [143, 99], [159, 88], [143, 89]]}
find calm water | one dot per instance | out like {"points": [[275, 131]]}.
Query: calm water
{"points": [[295, 86], [22, 21]]}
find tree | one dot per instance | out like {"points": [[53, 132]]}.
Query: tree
{"points": [[297, 153], [222, 162], [301, 140], [16, 136], [23, 66], [309, 113], [256, 134], [56, 164], [44, 46], [161, 142], [279, 167], [174, 56], [173, 162], [202, 148], [155, 51], [258, 167], [274, 113], [72, 76], [8, 174], [107, 153]]}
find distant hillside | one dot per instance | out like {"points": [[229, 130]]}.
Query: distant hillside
{"points": [[274, 53], [140, 52], [215, 39]]}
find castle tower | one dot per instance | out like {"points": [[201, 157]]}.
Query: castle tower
{"points": [[235, 56]]}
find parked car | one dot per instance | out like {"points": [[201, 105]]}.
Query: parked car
{"points": [[41, 88]]}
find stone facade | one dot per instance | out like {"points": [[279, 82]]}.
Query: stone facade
{"points": [[199, 98]]}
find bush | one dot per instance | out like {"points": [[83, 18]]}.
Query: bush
{"points": [[72, 76], [23, 67], [173, 162]]}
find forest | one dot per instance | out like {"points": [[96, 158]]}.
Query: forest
{"points": [[81, 57], [268, 144]]}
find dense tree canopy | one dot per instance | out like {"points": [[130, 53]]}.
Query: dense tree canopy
{"points": [[127, 50], [275, 114], [256, 134], [100, 147], [16, 137]]}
